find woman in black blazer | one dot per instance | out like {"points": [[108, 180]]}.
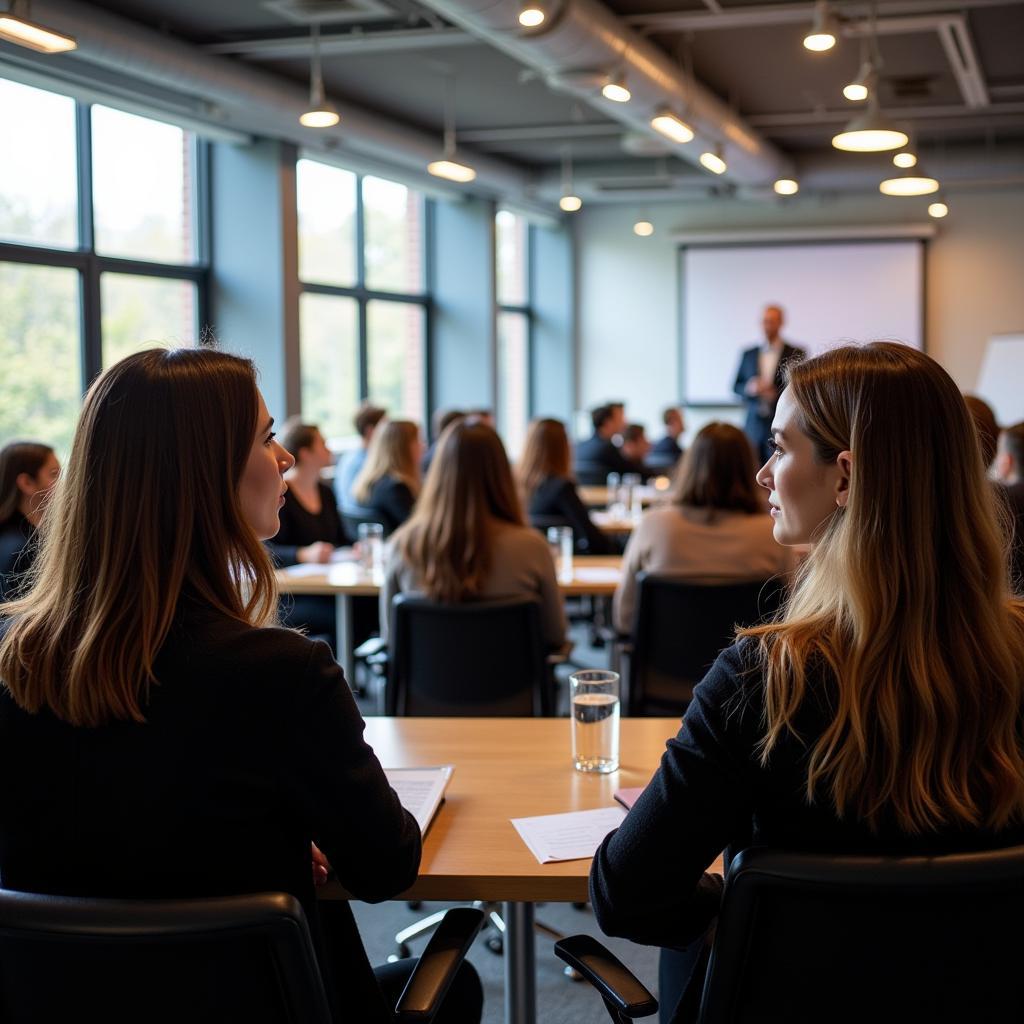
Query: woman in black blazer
{"points": [[548, 491], [389, 482], [159, 737]]}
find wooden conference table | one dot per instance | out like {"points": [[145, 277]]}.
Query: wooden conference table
{"points": [[593, 575], [508, 768]]}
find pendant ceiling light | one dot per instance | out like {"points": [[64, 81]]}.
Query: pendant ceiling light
{"points": [[446, 166], [862, 85], [714, 161], [824, 29], [667, 123], [321, 112], [643, 228], [939, 208], [904, 159], [786, 187], [909, 183], [16, 26], [569, 202], [533, 14], [870, 132], [615, 89]]}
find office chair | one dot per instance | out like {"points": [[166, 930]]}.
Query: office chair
{"points": [[591, 474], [679, 628], [352, 517], [804, 938], [211, 960]]}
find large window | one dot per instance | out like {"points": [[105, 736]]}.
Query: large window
{"points": [[512, 264], [364, 311], [101, 252]]}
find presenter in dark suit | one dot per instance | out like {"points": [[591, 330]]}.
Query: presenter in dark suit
{"points": [[761, 378], [158, 736]]}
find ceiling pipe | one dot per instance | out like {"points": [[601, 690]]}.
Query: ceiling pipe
{"points": [[246, 99], [584, 40]]}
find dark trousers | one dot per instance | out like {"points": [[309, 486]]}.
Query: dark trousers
{"points": [[681, 980]]}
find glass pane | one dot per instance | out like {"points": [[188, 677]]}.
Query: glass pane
{"points": [[145, 312], [513, 380], [510, 243], [40, 354], [395, 346], [393, 218], [327, 223], [329, 354], [38, 180], [143, 187]]}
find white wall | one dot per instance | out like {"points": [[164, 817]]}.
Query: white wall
{"points": [[628, 287]]}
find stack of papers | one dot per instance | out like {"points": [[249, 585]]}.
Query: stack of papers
{"points": [[420, 790], [572, 836]]}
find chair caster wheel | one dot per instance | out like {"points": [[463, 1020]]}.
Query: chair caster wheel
{"points": [[414, 904], [572, 974], [495, 944], [403, 954]]}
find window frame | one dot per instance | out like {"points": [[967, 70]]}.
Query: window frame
{"points": [[91, 265], [524, 309]]}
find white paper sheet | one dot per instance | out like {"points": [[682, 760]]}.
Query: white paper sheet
{"points": [[572, 836], [597, 574], [420, 790]]}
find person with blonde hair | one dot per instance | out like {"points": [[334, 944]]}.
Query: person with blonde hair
{"points": [[387, 485], [547, 488], [716, 524], [159, 737], [466, 539], [882, 711]]}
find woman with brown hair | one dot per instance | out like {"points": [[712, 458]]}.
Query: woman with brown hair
{"points": [[158, 736], [547, 488], [387, 485], [716, 524], [28, 470], [466, 540], [883, 710]]}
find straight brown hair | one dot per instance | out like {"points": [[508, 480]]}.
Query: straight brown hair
{"points": [[390, 454], [145, 515], [545, 455], [16, 458], [448, 538], [905, 602], [717, 473]]}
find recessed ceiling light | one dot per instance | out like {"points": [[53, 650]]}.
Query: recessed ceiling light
{"points": [[531, 15]]}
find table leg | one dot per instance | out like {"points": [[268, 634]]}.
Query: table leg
{"points": [[343, 635], [520, 969]]}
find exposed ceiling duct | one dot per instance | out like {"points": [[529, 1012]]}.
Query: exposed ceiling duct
{"points": [[583, 40], [228, 94]]}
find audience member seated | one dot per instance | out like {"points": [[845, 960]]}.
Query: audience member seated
{"points": [[28, 470], [349, 465], [484, 416], [466, 540], [986, 425], [1009, 469], [548, 491], [881, 711], [667, 450], [388, 484], [439, 422], [157, 737], [598, 455], [635, 448], [715, 526]]}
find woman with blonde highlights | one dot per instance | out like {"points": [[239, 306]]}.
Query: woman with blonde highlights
{"points": [[389, 482], [159, 737], [882, 712]]}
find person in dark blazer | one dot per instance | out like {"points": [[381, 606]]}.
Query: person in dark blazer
{"points": [[772, 748], [667, 450], [547, 490], [598, 455], [388, 484], [762, 376], [160, 738], [28, 470]]}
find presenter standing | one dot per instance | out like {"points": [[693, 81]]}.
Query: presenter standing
{"points": [[761, 378]]}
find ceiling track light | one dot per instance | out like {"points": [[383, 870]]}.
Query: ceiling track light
{"points": [[569, 202], [669, 124], [446, 166], [870, 132], [714, 161], [16, 26], [321, 112], [938, 209], [786, 187], [824, 29], [615, 88], [533, 14]]}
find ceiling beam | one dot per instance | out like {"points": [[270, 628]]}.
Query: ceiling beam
{"points": [[539, 133], [347, 43], [816, 117]]}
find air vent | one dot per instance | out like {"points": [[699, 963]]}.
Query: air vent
{"points": [[911, 87], [329, 12]]}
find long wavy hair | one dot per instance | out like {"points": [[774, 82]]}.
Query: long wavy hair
{"points": [[145, 514], [545, 455], [447, 540], [717, 473], [391, 453], [905, 602]]}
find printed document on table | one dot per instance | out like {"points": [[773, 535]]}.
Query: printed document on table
{"points": [[420, 790], [572, 836]]}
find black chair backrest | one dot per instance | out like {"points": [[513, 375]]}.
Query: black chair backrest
{"points": [[200, 960], [591, 474], [679, 628], [482, 658], [542, 523], [805, 938], [352, 518]]}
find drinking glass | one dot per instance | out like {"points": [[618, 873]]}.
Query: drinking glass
{"points": [[560, 542], [371, 547], [595, 720], [615, 507]]}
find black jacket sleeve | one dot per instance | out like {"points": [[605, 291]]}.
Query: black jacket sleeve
{"points": [[647, 882], [395, 502]]}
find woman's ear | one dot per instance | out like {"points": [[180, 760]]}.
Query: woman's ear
{"points": [[844, 462], [26, 483]]}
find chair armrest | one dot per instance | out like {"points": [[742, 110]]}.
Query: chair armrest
{"points": [[430, 980], [373, 646], [616, 983]]}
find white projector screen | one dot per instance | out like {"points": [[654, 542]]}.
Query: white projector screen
{"points": [[832, 292]]}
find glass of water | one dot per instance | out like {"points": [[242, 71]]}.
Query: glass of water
{"points": [[371, 547], [560, 542], [595, 720]]}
